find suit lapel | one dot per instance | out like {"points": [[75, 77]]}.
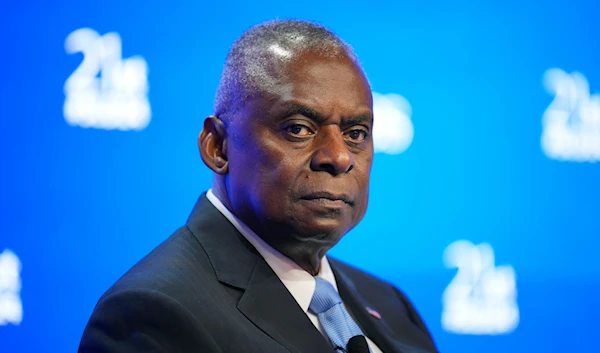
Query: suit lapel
{"points": [[268, 304], [357, 307], [387, 339], [265, 301]]}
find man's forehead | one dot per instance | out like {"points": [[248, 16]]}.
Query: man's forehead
{"points": [[257, 60], [287, 68]]}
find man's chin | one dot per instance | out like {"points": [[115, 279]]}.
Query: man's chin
{"points": [[323, 230]]}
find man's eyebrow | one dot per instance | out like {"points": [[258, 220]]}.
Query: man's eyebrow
{"points": [[297, 108], [358, 120], [294, 108]]}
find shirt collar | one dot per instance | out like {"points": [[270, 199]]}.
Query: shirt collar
{"points": [[298, 282]]}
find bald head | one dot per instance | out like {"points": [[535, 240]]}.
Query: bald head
{"points": [[257, 60]]}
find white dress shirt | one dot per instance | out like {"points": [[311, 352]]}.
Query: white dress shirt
{"points": [[298, 282]]}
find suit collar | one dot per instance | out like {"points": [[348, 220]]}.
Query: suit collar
{"points": [[265, 301], [232, 257]]}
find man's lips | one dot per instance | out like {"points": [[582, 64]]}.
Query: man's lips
{"points": [[325, 195]]}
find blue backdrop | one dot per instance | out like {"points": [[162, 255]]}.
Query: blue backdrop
{"points": [[503, 157]]}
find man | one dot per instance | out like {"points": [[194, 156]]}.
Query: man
{"points": [[291, 149]]}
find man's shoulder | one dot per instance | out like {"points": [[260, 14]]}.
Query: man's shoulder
{"points": [[185, 266], [154, 306], [178, 262]]}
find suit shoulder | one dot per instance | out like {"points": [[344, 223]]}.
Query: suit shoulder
{"points": [[123, 322], [179, 261]]}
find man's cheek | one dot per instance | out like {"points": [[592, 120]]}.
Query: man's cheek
{"points": [[277, 166]]}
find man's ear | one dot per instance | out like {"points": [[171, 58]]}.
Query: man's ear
{"points": [[212, 143]]}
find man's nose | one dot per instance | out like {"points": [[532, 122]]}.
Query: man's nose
{"points": [[332, 154]]}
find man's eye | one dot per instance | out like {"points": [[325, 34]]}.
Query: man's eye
{"points": [[357, 136], [298, 130]]}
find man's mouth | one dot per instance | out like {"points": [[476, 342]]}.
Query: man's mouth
{"points": [[328, 197]]}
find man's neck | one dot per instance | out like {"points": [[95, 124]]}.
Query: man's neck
{"points": [[307, 257]]}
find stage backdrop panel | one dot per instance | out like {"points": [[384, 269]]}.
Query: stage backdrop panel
{"points": [[485, 184]]}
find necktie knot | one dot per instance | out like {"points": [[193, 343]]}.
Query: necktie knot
{"points": [[325, 296]]}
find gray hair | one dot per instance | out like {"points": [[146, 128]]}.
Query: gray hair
{"points": [[255, 59]]}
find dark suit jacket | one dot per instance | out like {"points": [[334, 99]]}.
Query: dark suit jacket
{"points": [[206, 289]]}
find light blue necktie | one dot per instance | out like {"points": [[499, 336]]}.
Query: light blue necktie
{"points": [[334, 318]]}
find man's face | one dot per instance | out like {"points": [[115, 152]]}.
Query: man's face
{"points": [[300, 157]]}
